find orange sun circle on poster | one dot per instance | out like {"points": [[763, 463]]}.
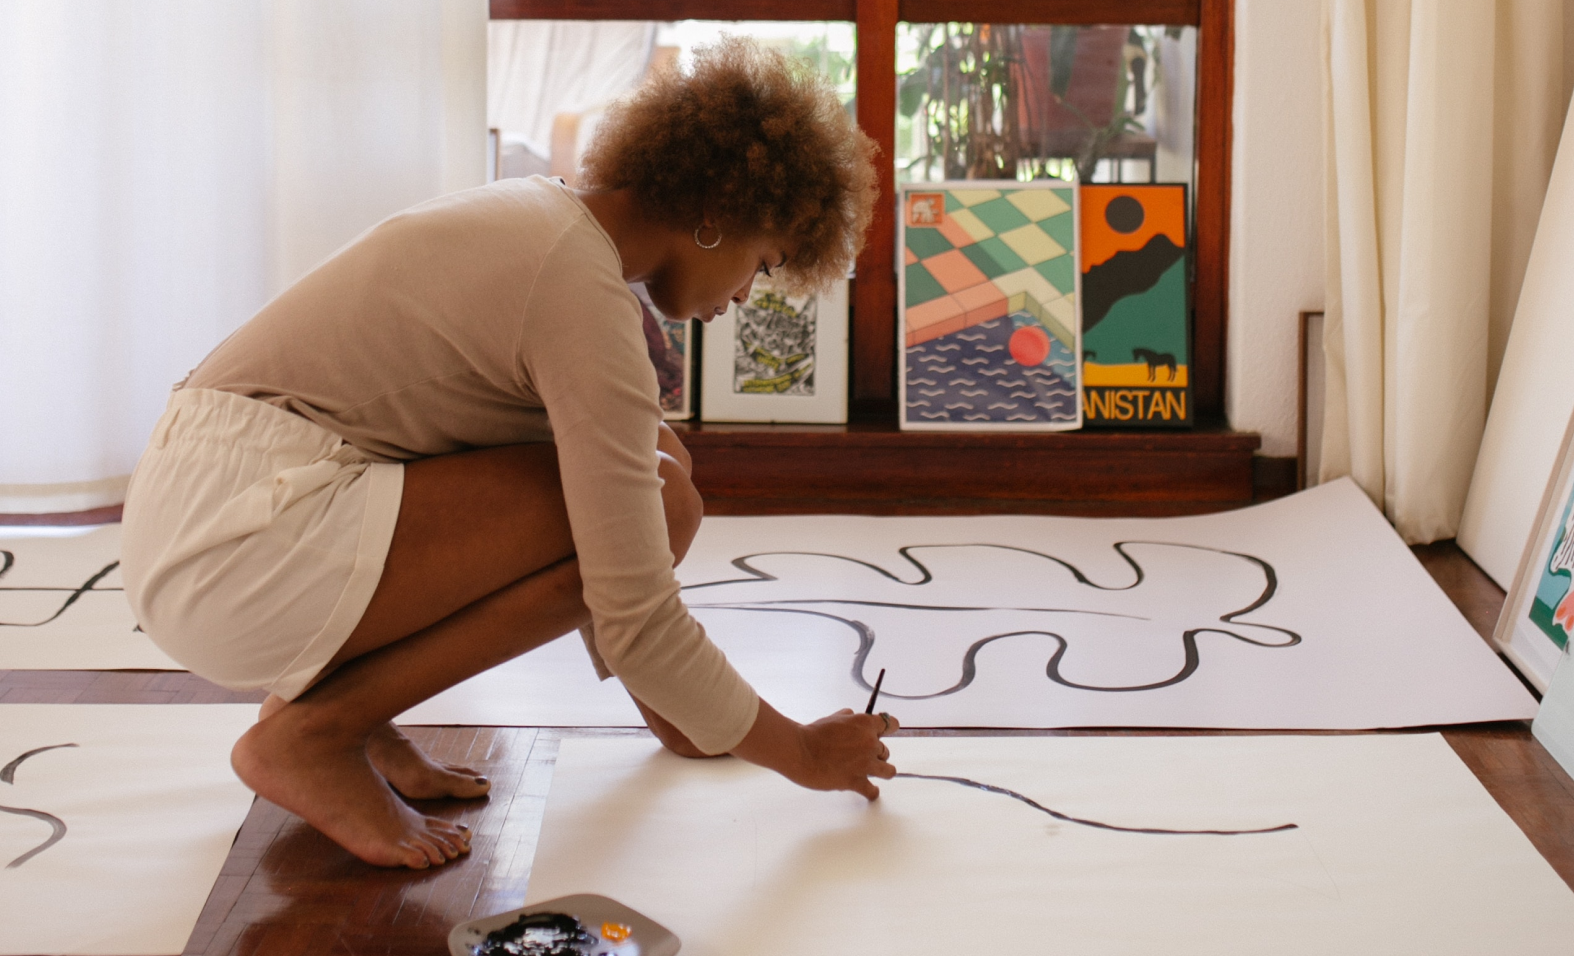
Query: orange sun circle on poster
{"points": [[1029, 346]]}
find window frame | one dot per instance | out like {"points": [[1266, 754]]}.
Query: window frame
{"points": [[873, 329]]}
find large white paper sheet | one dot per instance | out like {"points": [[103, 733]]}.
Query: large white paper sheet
{"points": [[1396, 850], [1303, 613], [552, 686], [62, 606], [145, 808]]}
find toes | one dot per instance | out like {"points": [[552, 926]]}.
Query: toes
{"points": [[436, 852], [453, 840]]}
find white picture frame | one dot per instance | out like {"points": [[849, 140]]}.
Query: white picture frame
{"points": [[1013, 298], [1522, 628], [800, 377]]}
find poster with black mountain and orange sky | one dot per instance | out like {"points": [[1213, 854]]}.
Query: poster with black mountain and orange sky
{"points": [[1135, 342]]}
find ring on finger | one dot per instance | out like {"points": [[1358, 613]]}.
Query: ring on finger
{"points": [[885, 720]]}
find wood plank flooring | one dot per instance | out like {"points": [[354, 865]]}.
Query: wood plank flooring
{"points": [[286, 890]]}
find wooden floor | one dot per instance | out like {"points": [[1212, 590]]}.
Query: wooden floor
{"points": [[286, 890]]}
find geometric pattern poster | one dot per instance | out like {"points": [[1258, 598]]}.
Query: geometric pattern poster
{"points": [[1134, 317], [990, 323]]}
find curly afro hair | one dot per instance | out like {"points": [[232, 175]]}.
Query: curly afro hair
{"points": [[757, 140]]}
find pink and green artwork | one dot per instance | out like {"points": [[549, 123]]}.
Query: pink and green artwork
{"points": [[1552, 607], [990, 323]]}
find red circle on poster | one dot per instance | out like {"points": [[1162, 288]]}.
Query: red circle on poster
{"points": [[1029, 345]]}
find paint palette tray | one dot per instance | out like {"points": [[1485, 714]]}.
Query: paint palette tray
{"points": [[612, 928]]}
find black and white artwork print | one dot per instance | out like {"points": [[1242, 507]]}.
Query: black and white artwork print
{"points": [[774, 344], [114, 822], [1303, 613], [63, 604]]}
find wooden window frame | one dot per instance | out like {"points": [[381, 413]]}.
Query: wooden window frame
{"points": [[873, 357]]}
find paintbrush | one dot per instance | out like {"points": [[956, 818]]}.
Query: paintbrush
{"points": [[876, 694]]}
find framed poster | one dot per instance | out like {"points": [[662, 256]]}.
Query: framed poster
{"points": [[778, 358], [1135, 341], [1538, 616], [671, 354], [990, 322]]}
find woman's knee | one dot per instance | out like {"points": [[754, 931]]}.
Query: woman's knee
{"points": [[683, 505], [668, 443]]}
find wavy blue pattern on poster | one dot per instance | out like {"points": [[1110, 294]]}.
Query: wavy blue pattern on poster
{"points": [[969, 376]]}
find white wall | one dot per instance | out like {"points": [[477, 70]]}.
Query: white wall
{"points": [[1276, 214]]}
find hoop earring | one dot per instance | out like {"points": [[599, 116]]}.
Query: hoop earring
{"points": [[703, 245]]}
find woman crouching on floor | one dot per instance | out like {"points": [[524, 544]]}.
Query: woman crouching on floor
{"points": [[443, 449]]}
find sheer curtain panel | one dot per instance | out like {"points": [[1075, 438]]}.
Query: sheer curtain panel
{"points": [[540, 68], [168, 165], [1439, 147]]}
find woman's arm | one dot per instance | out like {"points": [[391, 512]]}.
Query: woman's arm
{"points": [[671, 737], [840, 752]]}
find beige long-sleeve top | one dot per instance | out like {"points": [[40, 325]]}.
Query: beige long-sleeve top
{"points": [[497, 316]]}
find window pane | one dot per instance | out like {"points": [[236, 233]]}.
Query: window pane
{"points": [[1029, 101], [830, 46], [549, 81]]}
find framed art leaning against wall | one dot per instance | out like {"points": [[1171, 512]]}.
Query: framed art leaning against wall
{"points": [[671, 350], [1538, 616], [990, 323], [778, 358]]}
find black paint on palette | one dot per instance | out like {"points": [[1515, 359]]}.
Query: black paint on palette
{"points": [[1067, 818], [538, 934], [57, 826], [969, 663], [970, 376]]}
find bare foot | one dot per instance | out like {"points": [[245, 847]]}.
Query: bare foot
{"points": [[331, 784], [411, 772]]}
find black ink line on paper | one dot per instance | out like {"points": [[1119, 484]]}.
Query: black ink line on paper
{"points": [[969, 668], [1066, 818], [73, 594], [8, 772], [57, 826]]}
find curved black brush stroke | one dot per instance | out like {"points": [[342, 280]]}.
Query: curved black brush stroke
{"points": [[755, 574], [75, 593], [57, 826], [926, 607], [6, 560], [8, 772], [991, 788], [866, 637]]}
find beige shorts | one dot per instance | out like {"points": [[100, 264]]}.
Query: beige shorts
{"points": [[253, 540]]}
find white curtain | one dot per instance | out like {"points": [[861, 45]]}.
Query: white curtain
{"points": [[540, 68], [1439, 147], [168, 165]]}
